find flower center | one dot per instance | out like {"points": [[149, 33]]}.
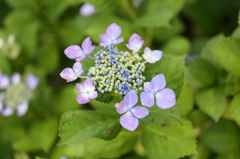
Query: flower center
{"points": [[16, 94], [117, 70]]}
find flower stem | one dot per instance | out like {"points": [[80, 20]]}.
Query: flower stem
{"points": [[91, 57]]}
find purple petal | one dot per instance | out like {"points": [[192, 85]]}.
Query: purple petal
{"points": [[104, 38], [16, 78], [121, 107], [7, 111], [68, 74], [22, 108], [107, 43], [63, 158], [128, 121], [88, 85], [117, 41], [93, 95], [135, 42], [140, 112], [166, 98], [81, 57], [148, 87], [158, 82], [157, 54], [87, 9], [80, 87], [147, 99], [114, 31], [32, 81], [73, 51], [4, 81], [131, 98], [87, 45], [77, 68], [82, 98]]}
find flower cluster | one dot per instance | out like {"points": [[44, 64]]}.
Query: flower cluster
{"points": [[16, 94], [119, 72]]}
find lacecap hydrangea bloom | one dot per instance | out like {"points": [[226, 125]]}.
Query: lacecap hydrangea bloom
{"points": [[15, 94], [119, 72]]}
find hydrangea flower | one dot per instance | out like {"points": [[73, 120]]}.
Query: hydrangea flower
{"points": [[87, 10], [17, 95], [165, 97], [110, 38], [121, 72], [152, 56], [130, 119], [78, 53], [87, 91], [72, 74], [135, 43]]}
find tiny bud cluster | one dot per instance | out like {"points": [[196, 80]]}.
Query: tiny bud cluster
{"points": [[117, 71]]}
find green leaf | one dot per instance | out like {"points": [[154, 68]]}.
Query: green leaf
{"points": [[239, 18], [168, 141], [24, 4], [185, 100], [212, 101], [171, 48], [104, 97], [222, 137], [176, 28], [172, 67], [158, 115], [206, 52], [158, 13], [200, 73], [235, 108], [79, 126], [55, 8], [227, 54], [159, 19], [122, 144], [48, 53], [67, 96]]}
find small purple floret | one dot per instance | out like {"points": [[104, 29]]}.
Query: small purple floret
{"points": [[87, 10], [135, 43], [87, 91], [152, 56], [32, 81], [129, 120], [72, 74], [78, 53], [165, 97], [111, 36], [4, 81]]}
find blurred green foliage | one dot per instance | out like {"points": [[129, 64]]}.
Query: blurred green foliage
{"points": [[201, 62]]}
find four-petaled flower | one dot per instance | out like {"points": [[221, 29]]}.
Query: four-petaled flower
{"points": [[135, 43], [113, 32], [165, 97], [130, 119], [72, 74], [152, 56], [78, 53], [87, 91]]}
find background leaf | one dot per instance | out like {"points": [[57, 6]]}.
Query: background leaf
{"points": [[170, 140], [212, 101]]}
